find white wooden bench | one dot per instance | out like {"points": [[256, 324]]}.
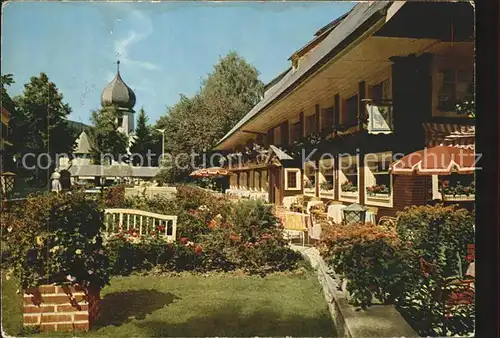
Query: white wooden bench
{"points": [[143, 221]]}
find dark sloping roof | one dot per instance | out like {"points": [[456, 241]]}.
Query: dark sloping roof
{"points": [[113, 170], [82, 144], [359, 15], [280, 154]]}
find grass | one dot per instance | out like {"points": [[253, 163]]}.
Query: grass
{"points": [[195, 305]]}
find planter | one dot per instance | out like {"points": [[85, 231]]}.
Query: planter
{"points": [[326, 193], [379, 196], [309, 191], [349, 194], [60, 307]]}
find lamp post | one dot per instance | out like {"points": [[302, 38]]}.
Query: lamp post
{"points": [[162, 131], [354, 213], [7, 184]]}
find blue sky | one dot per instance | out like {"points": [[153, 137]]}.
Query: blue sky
{"points": [[166, 48]]}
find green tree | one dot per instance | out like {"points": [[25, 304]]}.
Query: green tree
{"points": [[143, 139], [40, 121], [196, 124], [107, 142], [7, 103]]}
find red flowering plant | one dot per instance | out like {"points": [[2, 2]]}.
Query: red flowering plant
{"points": [[366, 256]]}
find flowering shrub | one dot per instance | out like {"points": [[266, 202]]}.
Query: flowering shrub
{"points": [[56, 239], [114, 197], [367, 257], [213, 234]]}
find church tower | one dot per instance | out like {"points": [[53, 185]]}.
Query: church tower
{"points": [[118, 94]]}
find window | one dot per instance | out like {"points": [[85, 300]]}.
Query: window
{"points": [[233, 181], [381, 91], [295, 132], [311, 124], [292, 179], [378, 181], [264, 180], [309, 178], [327, 118], [350, 111], [277, 136], [348, 177], [457, 187], [326, 178], [243, 180], [453, 88], [256, 180]]}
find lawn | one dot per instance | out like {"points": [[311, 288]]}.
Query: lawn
{"points": [[193, 305]]}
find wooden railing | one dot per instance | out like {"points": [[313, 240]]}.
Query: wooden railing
{"points": [[144, 222]]}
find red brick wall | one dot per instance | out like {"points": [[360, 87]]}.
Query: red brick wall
{"points": [[60, 308]]}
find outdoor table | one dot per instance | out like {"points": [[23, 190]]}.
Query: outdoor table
{"points": [[310, 204], [335, 212]]}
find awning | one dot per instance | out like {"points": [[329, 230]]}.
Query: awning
{"points": [[440, 160], [462, 136]]}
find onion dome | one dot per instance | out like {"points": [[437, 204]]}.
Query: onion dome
{"points": [[117, 93]]}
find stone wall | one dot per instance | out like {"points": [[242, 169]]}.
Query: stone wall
{"points": [[60, 308], [150, 192]]}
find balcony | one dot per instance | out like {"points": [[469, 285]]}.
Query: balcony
{"points": [[379, 117]]}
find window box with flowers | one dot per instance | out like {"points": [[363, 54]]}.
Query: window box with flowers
{"points": [[348, 179], [378, 180], [310, 179], [326, 178], [349, 189]]}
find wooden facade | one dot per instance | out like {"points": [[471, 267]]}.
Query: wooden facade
{"points": [[374, 95]]}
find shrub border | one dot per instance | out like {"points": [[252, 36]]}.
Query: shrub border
{"points": [[349, 322]]}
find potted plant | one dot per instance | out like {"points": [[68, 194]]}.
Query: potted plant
{"points": [[59, 258], [348, 187], [326, 186]]}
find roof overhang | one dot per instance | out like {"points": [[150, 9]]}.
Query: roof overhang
{"points": [[356, 24]]}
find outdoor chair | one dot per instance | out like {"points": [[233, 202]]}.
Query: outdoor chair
{"points": [[295, 225], [387, 222]]}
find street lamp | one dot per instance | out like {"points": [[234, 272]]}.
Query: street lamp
{"points": [[7, 183], [354, 213], [162, 131]]}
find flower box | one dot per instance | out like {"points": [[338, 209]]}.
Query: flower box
{"points": [[327, 193], [379, 196], [349, 194], [459, 197], [309, 191], [61, 307]]}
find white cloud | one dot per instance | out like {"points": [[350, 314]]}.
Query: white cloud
{"points": [[142, 29]]}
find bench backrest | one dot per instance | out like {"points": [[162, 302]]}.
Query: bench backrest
{"points": [[144, 222]]}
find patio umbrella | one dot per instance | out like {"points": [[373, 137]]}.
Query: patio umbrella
{"points": [[439, 160], [210, 172]]}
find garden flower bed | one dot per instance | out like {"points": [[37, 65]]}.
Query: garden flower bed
{"points": [[419, 267], [56, 241]]}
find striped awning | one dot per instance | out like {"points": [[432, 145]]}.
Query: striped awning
{"points": [[458, 135]]}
